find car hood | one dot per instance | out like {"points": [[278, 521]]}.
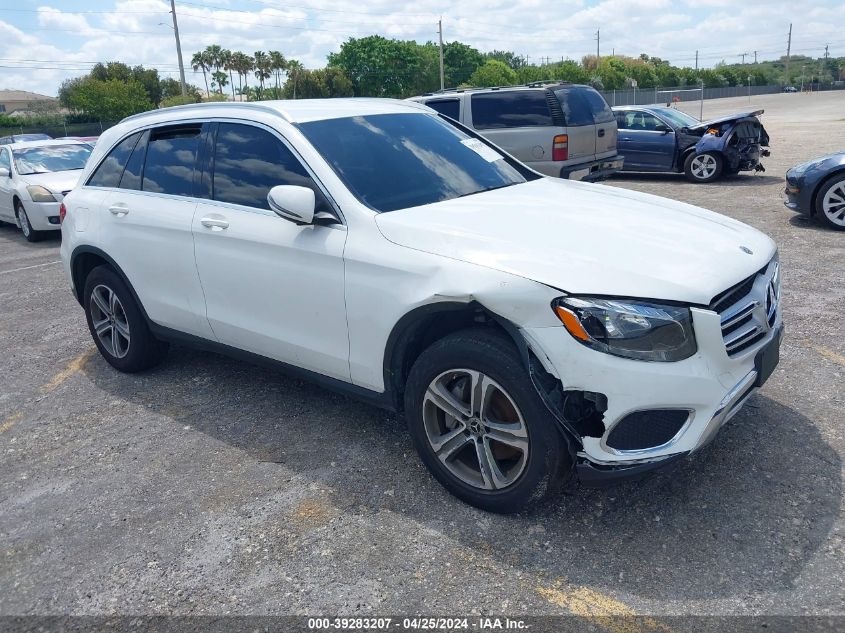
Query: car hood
{"points": [[55, 181], [704, 125], [588, 239]]}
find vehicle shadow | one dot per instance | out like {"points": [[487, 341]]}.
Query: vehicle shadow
{"points": [[801, 221], [743, 516], [733, 180], [11, 232]]}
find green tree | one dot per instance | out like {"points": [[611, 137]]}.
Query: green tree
{"points": [[220, 79], [227, 58], [514, 61], [261, 64], [277, 65], [108, 100], [493, 73], [243, 64], [294, 69], [459, 62], [318, 84], [380, 67]]}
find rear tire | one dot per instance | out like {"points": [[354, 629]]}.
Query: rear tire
{"points": [[830, 203], [705, 167], [29, 233], [479, 425], [117, 324]]}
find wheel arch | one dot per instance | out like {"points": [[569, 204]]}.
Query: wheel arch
{"points": [[424, 325], [86, 258], [839, 171]]}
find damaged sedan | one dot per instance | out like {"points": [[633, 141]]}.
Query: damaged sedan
{"points": [[533, 330], [663, 139]]}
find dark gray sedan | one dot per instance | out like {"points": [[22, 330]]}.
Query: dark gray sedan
{"points": [[817, 188]]}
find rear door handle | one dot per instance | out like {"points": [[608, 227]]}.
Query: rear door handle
{"points": [[215, 223], [601, 131], [120, 209]]}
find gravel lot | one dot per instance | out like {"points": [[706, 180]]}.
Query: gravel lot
{"points": [[209, 486]]}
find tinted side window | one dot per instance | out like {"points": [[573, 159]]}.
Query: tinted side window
{"points": [[621, 121], [109, 172], [134, 166], [601, 111], [576, 109], [249, 161], [169, 164], [448, 107], [514, 108]]}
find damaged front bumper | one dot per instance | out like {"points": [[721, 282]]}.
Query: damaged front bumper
{"points": [[643, 416]]}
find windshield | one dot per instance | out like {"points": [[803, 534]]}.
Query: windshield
{"points": [[678, 118], [41, 160], [396, 161]]}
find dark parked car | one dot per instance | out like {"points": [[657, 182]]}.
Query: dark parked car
{"points": [[658, 138], [790, 89], [20, 138], [817, 188]]}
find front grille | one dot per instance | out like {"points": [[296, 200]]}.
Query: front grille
{"points": [[749, 309], [646, 429]]}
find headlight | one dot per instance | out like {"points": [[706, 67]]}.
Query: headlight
{"points": [[632, 329], [40, 194]]}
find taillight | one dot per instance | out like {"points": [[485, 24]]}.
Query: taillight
{"points": [[62, 212], [560, 147]]}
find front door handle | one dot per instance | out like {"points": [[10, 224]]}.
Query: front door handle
{"points": [[120, 209], [215, 223], [601, 131]]}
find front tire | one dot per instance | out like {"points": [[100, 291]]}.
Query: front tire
{"points": [[479, 425], [830, 203], [117, 324], [705, 167], [29, 233]]}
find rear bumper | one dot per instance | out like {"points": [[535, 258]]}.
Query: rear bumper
{"points": [[595, 170]]}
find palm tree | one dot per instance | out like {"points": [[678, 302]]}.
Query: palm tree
{"points": [[228, 65], [262, 69], [277, 64], [294, 67], [244, 65], [200, 61], [214, 55], [220, 79]]}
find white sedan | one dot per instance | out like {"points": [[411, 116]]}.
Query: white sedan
{"points": [[34, 178]]}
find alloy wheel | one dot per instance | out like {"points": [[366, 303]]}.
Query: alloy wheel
{"points": [[475, 429], [108, 319], [26, 229], [833, 204], [703, 166]]}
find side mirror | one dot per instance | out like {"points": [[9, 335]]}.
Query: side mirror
{"points": [[4, 173], [293, 203], [660, 127]]}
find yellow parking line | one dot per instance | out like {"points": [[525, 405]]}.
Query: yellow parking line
{"points": [[829, 354], [72, 367], [10, 421], [607, 612]]}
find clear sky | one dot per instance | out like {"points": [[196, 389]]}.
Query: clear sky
{"points": [[43, 42]]}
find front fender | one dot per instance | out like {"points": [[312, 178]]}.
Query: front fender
{"points": [[710, 143]]}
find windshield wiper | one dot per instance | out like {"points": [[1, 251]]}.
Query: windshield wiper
{"points": [[472, 193]]}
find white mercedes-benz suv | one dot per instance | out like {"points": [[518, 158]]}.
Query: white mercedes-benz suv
{"points": [[532, 329]]}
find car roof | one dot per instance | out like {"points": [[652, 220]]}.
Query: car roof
{"points": [[44, 143], [293, 111], [537, 85]]}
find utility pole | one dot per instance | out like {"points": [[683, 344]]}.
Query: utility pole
{"points": [[755, 57], [598, 48], [440, 34], [696, 59], [178, 48], [788, 50], [743, 57]]}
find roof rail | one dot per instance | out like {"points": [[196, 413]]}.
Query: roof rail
{"points": [[207, 104], [533, 84], [548, 82]]}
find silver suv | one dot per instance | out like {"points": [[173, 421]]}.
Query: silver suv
{"points": [[559, 129]]}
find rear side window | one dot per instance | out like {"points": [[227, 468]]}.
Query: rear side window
{"points": [[5, 162], [134, 166], [249, 161], [447, 107], [170, 159], [110, 170], [514, 108]]}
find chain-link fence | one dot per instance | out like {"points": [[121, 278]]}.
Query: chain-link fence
{"points": [[649, 96], [57, 130]]}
